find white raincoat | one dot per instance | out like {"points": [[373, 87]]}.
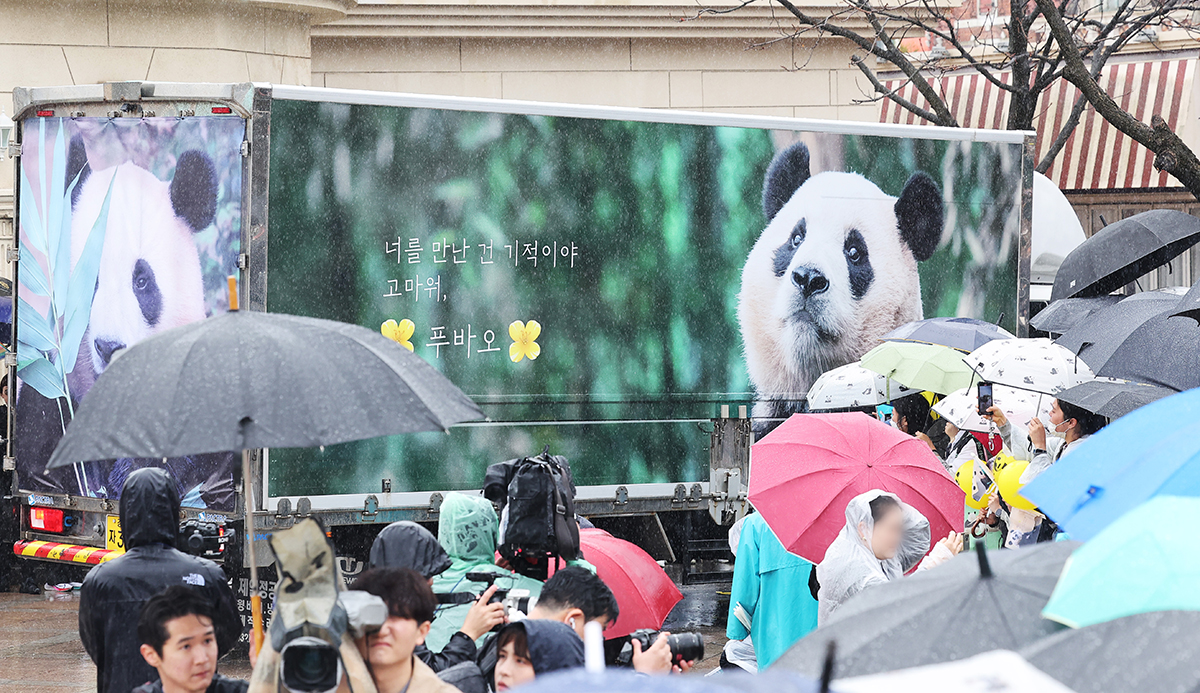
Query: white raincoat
{"points": [[850, 566]]}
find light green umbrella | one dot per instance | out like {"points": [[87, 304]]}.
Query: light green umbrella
{"points": [[938, 369], [1148, 560]]}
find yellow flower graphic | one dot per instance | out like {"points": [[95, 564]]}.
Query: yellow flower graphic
{"points": [[399, 332], [524, 336]]}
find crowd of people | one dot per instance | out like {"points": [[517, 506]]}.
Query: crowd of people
{"points": [[157, 620], [779, 597]]}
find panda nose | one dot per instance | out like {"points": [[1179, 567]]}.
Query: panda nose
{"points": [[106, 348], [809, 281]]}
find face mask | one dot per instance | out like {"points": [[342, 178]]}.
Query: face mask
{"points": [[1051, 427]]}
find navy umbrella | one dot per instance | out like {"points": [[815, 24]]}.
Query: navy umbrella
{"points": [[1095, 339], [1063, 314], [1148, 652], [964, 334], [970, 605], [1123, 251], [1113, 398]]}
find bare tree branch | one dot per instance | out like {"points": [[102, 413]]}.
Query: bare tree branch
{"points": [[1171, 153]]}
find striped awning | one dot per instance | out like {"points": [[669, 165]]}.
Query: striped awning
{"points": [[1097, 156]]}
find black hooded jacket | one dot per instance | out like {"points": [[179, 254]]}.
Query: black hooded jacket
{"points": [[552, 645], [407, 544], [114, 592]]}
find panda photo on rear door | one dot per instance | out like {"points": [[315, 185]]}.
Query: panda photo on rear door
{"points": [[150, 280], [834, 270]]}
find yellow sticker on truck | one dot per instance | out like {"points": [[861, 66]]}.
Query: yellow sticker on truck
{"points": [[113, 540]]}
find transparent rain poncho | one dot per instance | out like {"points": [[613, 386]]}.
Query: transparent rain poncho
{"points": [[850, 566]]}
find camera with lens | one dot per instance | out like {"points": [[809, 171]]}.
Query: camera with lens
{"points": [[685, 647], [206, 539], [489, 578], [312, 664]]}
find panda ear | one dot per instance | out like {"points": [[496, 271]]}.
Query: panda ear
{"points": [[919, 215], [77, 165], [787, 172], [194, 189]]}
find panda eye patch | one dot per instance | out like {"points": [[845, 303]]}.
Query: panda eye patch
{"points": [[856, 249], [145, 289], [784, 253]]}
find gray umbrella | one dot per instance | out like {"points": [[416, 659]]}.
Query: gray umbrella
{"points": [[247, 380], [963, 608], [1062, 315], [964, 334], [1148, 652], [1094, 340], [1123, 251], [1113, 398], [1189, 305], [1165, 351]]}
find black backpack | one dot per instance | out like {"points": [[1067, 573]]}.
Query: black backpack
{"points": [[539, 496]]}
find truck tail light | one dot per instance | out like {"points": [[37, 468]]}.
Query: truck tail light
{"points": [[222, 110], [46, 519]]}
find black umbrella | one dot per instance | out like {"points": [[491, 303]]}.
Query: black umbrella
{"points": [[972, 604], [1123, 251], [1165, 351], [1148, 652], [964, 334], [1095, 339], [247, 380], [1189, 305], [1062, 315], [1113, 398]]}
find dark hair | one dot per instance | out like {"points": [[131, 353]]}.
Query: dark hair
{"points": [[405, 591], [881, 505], [174, 602], [914, 410], [574, 587], [515, 634], [1089, 423]]}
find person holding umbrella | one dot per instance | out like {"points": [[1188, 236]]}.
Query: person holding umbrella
{"points": [[883, 539], [911, 414]]}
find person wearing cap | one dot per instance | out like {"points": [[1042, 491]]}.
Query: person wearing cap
{"points": [[409, 545]]}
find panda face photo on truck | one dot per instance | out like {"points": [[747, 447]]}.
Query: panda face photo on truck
{"points": [[150, 278], [833, 271]]}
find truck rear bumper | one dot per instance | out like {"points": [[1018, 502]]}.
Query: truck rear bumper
{"points": [[63, 553]]}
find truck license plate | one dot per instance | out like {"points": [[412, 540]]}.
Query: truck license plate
{"points": [[112, 537]]}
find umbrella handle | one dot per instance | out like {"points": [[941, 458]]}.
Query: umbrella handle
{"points": [[256, 633], [975, 525]]}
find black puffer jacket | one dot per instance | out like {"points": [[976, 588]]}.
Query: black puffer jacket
{"points": [[114, 592], [220, 684]]}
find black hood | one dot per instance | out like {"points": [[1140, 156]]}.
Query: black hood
{"points": [[149, 508], [552, 645], [409, 545]]}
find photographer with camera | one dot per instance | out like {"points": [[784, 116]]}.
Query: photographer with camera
{"points": [[113, 592], [389, 653], [467, 530], [409, 545], [574, 596], [180, 642]]}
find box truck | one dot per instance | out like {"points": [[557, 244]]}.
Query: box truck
{"points": [[638, 290]]}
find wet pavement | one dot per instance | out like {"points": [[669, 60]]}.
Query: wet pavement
{"points": [[40, 651]]}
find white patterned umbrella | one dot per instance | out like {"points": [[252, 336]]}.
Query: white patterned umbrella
{"points": [[1039, 365], [961, 407], [851, 386]]}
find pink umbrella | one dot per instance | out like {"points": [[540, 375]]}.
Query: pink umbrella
{"points": [[804, 473], [644, 593]]}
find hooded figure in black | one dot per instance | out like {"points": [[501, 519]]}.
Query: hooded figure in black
{"points": [[409, 545], [114, 592]]}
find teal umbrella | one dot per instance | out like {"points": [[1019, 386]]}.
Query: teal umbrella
{"points": [[1148, 560]]}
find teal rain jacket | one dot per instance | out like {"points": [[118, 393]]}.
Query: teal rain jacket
{"points": [[771, 586]]}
